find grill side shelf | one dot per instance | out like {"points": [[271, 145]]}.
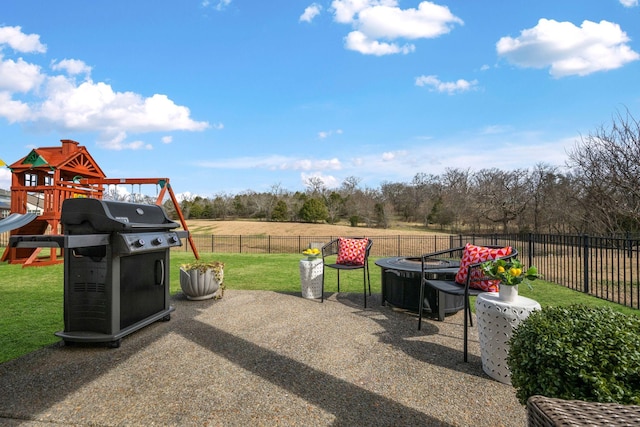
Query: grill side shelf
{"points": [[37, 241], [58, 241]]}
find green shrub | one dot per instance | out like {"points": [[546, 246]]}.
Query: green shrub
{"points": [[577, 352]]}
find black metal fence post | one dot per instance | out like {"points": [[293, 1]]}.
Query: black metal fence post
{"points": [[585, 262]]}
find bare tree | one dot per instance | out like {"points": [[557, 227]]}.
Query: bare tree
{"points": [[501, 197], [349, 185], [456, 196], [335, 206], [607, 164], [400, 197], [315, 185]]}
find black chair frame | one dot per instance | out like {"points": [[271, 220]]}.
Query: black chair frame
{"points": [[331, 249], [450, 286]]}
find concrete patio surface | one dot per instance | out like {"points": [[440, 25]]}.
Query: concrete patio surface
{"points": [[258, 358]]}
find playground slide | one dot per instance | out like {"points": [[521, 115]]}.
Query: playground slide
{"points": [[16, 220]]}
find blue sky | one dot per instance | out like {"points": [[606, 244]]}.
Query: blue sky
{"points": [[223, 96]]}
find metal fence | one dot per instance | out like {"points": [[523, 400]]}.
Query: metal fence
{"points": [[384, 246], [605, 267]]}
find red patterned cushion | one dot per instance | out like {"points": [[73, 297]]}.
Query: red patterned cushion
{"points": [[474, 254], [351, 251]]}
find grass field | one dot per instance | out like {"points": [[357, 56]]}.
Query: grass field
{"points": [[249, 228]]}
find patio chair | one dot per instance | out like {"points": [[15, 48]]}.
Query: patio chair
{"points": [[469, 272], [350, 254]]}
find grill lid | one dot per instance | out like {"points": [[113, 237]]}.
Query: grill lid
{"points": [[85, 216]]}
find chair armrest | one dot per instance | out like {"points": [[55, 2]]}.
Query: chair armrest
{"points": [[446, 251], [330, 248]]}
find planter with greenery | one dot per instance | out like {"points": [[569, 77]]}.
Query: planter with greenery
{"points": [[510, 273], [202, 280], [579, 353]]}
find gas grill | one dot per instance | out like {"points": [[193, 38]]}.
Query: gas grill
{"points": [[116, 267]]}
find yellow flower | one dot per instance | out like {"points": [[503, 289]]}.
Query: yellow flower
{"points": [[311, 251], [516, 272], [500, 269]]}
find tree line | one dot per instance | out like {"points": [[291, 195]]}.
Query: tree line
{"points": [[597, 192]]}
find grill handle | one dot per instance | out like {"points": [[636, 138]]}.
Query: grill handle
{"points": [[159, 272]]}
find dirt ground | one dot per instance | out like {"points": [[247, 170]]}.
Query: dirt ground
{"points": [[243, 228]]}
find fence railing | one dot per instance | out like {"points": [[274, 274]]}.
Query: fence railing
{"points": [[605, 267]]}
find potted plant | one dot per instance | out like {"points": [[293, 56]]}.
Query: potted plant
{"points": [[510, 273], [202, 280], [311, 272], [312, 253]]}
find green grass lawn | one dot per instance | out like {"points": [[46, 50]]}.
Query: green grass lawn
{"points": [[31, 299]]}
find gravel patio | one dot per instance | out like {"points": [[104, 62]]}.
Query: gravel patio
{"points": [[264, 358]]}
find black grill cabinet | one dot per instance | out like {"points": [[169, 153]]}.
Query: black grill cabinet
{"points": [[116, 268]]}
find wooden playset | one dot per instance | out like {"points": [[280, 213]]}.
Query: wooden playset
{"points": [[47, 176]]}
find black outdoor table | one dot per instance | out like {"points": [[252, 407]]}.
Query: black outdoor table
{"points": [[400, 282]]}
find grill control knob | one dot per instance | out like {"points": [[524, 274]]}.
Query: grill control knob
{"points": [[157, 241], [139, 243], [173, 239]]}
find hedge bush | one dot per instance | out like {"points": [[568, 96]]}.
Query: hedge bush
{"points": [[577, 352]]}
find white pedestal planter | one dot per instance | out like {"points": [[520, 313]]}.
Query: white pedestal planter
{"points": [[311, 278], [202, 283], [496, 321]]}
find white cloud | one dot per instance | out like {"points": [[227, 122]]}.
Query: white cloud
{"points": [[378, 23], [273, 163], [359, 42], [329, 181], [327, 133], [629, 3], [428, 21], [494, 147], [21, 42], [5, 178], [93, 106], [220, 5], [494, 129], [117, 142], [71, 66], [13, 111], [310, 12], [345, 10], [58, 102], [448, 87], [167, 139], [567, 49], [19, 76]]}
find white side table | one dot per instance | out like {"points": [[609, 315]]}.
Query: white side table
{"points": [[496, 321], [311, 278]]}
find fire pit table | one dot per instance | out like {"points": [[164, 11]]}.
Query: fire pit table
{"points": [[400, 277]]}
